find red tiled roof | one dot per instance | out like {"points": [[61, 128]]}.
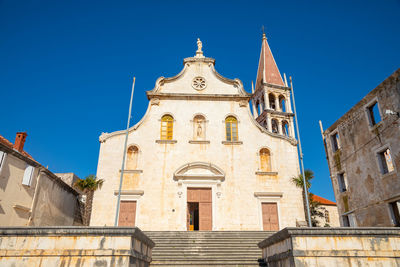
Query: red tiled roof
{"points": [[5, 142], [323, 201], [268, 71]]}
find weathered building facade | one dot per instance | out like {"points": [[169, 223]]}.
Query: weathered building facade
{"points": [[30, 194], [199, 160], [363, 152]]}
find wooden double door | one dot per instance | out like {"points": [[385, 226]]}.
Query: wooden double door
{"points": [[199, 209], [270, 216]]}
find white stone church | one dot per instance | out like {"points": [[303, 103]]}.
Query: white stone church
{"points": [[207, 155]]}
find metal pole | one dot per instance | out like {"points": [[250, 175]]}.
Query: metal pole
{"points": [[124, 156], [301, 157]]}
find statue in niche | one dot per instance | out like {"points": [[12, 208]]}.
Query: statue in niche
{"points": [[199, 129]]}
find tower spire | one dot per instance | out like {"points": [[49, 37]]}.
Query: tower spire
{"points": [[268, 71]]}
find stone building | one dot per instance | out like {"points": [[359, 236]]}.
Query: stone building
{"points": [[200, 160], [329, 210], [363, 152], [31, 194]]}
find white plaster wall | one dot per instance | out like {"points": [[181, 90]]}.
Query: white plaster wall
{"points": [[236, 208], [14, 193]]}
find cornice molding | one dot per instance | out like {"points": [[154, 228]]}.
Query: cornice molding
{"points": [[154, 95], [276, 86], [216, 172], [199, 59]]}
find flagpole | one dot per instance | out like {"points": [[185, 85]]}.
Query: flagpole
{"points": [[301, 158], [124, 156]]}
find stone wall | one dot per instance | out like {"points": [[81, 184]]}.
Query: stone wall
{"points": [[332, 247], [55, 202], [74, 246], [369, 190]]}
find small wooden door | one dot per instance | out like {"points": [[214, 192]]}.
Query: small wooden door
{"points": [[270, 216], [205, 216], [127, 213], [202, 196]]}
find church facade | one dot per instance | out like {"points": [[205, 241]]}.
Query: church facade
{"points": [[207, 155]]}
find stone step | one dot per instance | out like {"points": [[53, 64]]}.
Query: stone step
{"points": [[206, 248], [203, 244], [208, 255], [263, 236], [208, 233], [205, 263], [206, 241], [234, 248]]}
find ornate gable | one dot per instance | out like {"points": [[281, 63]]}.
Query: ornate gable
{"points": [[197, 79]]}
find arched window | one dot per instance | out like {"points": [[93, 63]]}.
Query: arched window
{"points": [[167, 126], [199, 127], [231, 125], [271, 99], [132, 158], [285, 128], [282, 103], [265, 160], [274, 126]]}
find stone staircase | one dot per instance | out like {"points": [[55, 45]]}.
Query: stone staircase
{"points": [[206, 248]]}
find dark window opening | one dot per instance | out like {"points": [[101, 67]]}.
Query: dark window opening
{"points": [[335, 142], [349, 220], [285, 128], [395, 206], [342, 182], [274, 125], [282, 103], [385, 161], [271, 99], [373, 114], [346, 221]]}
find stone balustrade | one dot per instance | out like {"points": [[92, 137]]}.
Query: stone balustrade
{"points": [[332, 247], [74, 246]]}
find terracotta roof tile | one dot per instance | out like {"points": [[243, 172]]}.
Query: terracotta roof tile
{"points": [[4, 141], [323, 201], [268, 71]]}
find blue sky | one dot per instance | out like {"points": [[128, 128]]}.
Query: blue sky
{"points": [[66, 66]]}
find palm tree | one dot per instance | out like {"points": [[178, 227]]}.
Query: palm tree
{"points": [[299, 182], [88, 186]]}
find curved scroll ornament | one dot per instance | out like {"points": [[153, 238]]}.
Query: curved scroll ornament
{"points": [[199, 83]]}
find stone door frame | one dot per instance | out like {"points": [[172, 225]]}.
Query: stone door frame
{"points": [[130, 195], [268, 197], [183, 188]]}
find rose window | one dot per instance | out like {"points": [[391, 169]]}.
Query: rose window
{"points": [[199, 83]]}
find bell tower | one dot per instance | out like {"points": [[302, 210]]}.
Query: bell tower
{"points": [[271, 96]]}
